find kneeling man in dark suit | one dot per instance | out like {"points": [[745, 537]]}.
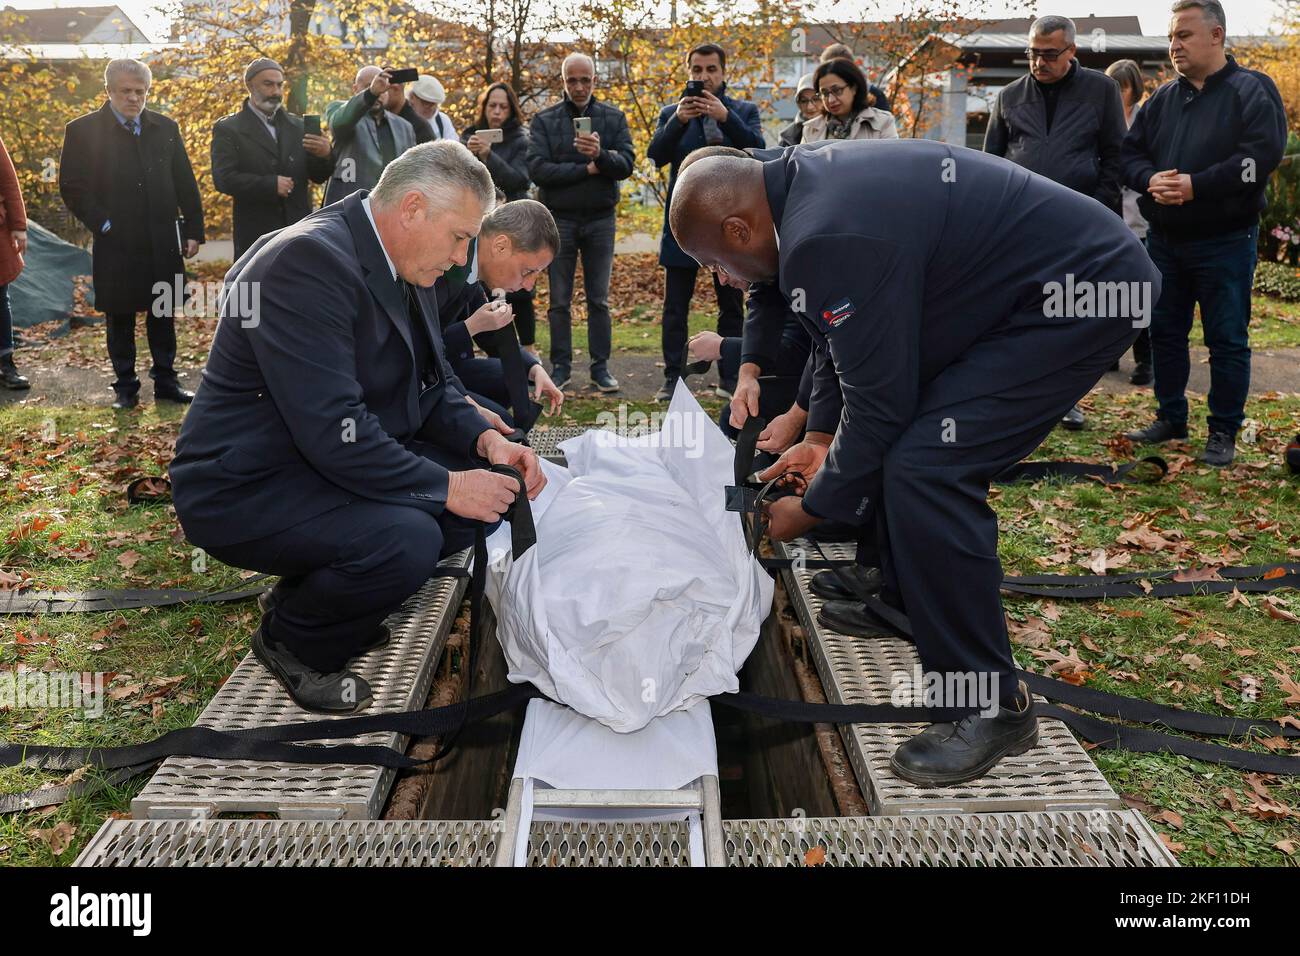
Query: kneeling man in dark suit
{"points": [[327, 443]]}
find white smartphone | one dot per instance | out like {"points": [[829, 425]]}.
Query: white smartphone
{"points": [[491, 135]]}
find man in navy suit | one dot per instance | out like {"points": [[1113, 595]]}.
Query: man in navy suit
{"points": [[977, 325], [327, 442], [711, 119]]}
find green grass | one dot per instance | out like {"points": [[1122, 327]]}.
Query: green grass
{"points": [[638, 333], [66, 493], [1274, 323]]}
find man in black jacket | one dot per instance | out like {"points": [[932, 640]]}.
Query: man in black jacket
{"points": [[1200, 153], [1063, 121], [125, 175], [577, 175], [949, 359], [262, 157], [326, 444]]}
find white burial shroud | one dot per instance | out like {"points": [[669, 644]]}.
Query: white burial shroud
{"points": [[640, 597]]}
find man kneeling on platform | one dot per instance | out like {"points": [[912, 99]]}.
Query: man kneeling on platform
{"points": [[928, 277], [325, 444]]}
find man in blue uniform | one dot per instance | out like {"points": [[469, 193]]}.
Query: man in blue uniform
{"points": [[995, 300]]}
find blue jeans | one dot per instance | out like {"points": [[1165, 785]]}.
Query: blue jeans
{"points": [[1217, 274], [6, 322], [593, 239]]}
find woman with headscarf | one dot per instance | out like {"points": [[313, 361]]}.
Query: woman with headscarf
{"points": [[809, 106]]}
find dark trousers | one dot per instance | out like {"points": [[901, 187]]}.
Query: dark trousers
{"points": [[161, 330], [593, 240], [679, 288], [344, 571], [525, 315], [6, 322], [935, 536], [1216, 274]]}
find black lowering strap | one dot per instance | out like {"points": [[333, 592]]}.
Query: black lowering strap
{"points": [[1149, 469], [76, 602], [1255, 579], [523, 409]]}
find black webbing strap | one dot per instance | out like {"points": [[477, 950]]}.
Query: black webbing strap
{"points": [[1150, 469], [1254, 579], [76, 602], [524, 410]]}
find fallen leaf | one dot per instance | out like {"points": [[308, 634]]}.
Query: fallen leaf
{"points": [[58, 837], [816, 856], [129, 559], [1197, 574], [1175, 820]]}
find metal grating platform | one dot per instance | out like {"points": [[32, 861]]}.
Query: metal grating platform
{"points": [[400, 675], [1055, 775], [1080, 838], [545, 440]]}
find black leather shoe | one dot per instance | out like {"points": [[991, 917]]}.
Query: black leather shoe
{"points": [[341, 692], [1158, 431], [10, 377], [829, 585], [1142, 374], [1220, 449], [266, 602], [946, 754], [125, 400], [1073, 420], [561, 376], [173, 393], [853, 618]]}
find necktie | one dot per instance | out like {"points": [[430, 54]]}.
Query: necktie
{"points": [[133, 128]]}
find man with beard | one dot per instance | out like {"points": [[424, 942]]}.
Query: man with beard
{"points": [[262, 157]]}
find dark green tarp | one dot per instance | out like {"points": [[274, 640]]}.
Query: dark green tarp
{"points": [[43, 293]]}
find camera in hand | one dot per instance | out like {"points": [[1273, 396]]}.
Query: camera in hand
{"points": [[694, 88], [409, 75]]}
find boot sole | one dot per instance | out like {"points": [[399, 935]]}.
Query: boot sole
{"points": [[879, 632], [280, 679], [949, 780]]}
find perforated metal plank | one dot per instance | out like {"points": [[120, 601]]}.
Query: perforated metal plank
{"points": [[393, 843], [1084, 838], [1055, 775], [546, 441], [1077, 838], [399, 675]]}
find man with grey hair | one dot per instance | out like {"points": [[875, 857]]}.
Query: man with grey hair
{"points": [[327, 443], [367, 135], [1200, 154], [1063, 121], [579, 150], [262, 157], [125, 174]]}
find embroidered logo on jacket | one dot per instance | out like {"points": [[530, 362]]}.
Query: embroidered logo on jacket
{"points": [[838, 312]]}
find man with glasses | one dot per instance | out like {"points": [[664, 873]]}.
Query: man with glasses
{"points": [[711, 118], [1062, 121], [1200, 154], [580, 149]]}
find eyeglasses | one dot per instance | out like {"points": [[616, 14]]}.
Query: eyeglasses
{"points": [[807, 100], [1049, 56], [832, 91]]}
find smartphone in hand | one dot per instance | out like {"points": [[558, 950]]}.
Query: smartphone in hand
{"points": [[409, 75], [490, 135], [582, 124], [311, 124], [694, 88]]}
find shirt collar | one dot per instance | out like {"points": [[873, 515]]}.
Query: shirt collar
{"points": [[122, 119], [365, 204]]}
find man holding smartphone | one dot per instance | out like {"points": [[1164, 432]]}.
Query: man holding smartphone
{"points": [[579, 151], [705, 116], [367, 134], [263, 156]]}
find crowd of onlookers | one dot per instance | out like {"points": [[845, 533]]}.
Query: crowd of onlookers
{"points": [[1159, 159]]}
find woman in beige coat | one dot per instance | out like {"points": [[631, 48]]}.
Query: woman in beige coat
{"points": [[846, 104]]}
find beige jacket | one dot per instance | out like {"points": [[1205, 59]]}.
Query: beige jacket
{"points": [[870, 123]]}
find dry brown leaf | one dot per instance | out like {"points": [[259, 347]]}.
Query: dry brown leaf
{"points": [[1170, 817], [816, 856], [129, 559], [1197, 574], [58, 837]]}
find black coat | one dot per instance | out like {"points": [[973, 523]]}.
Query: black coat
{"points": [[507, 160], [246, 162], [311, 396], [1082, 149], [560, 171], [140, 184]]}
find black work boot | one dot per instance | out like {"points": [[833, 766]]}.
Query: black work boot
{"points": [[1158, 431], [10, 377], [341, 692], [1142, 374], [830, 585], [946, 754], [1073, 420], [853, 618]]}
